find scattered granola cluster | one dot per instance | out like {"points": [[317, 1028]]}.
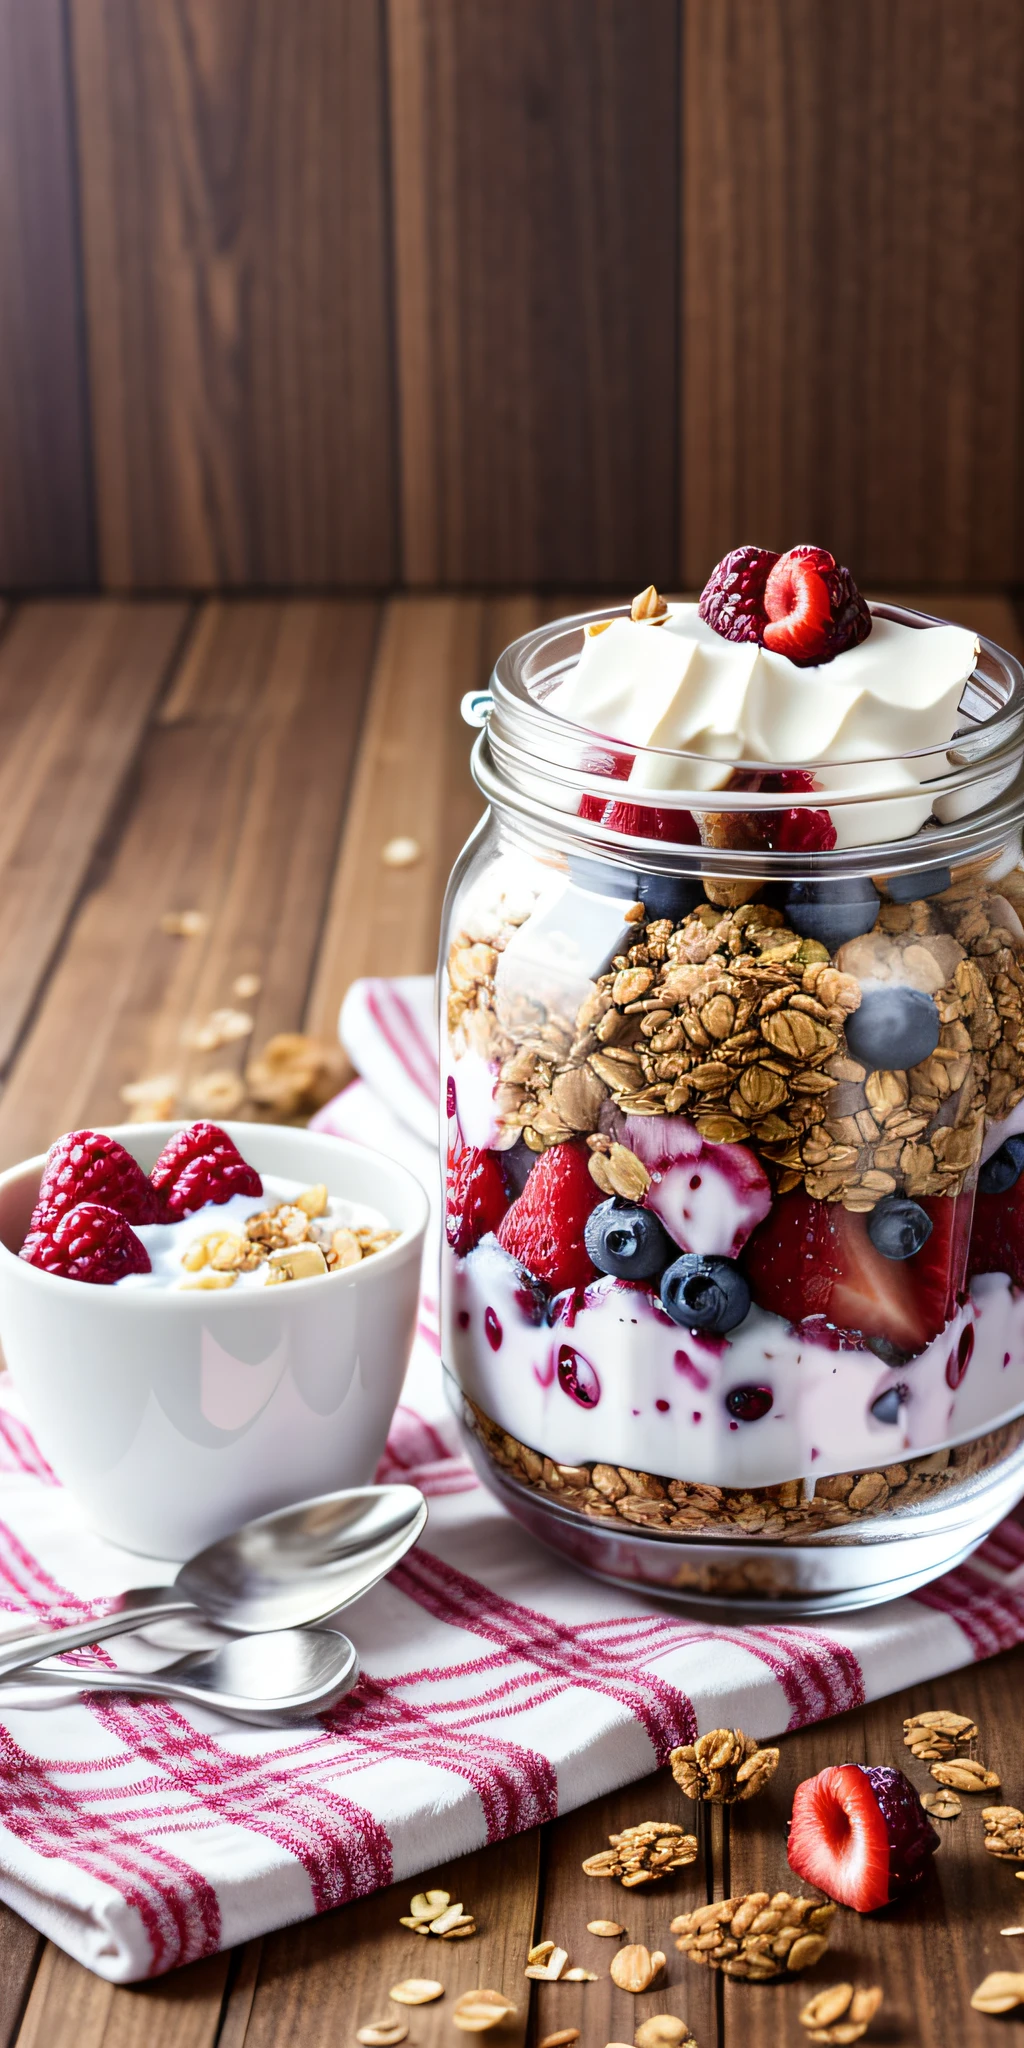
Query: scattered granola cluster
{"points": [[738, 1021], [288, 1239], [937, 1734], [723, 1766], [786, 1511], [1004, 1832], [758, 1935], [642, 1854]]}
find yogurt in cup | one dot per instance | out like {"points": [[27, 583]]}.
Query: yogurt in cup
{"points": [[173, 1414]]}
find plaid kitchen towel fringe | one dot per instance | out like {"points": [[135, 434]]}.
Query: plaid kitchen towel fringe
{"points": [[498, 1688]]}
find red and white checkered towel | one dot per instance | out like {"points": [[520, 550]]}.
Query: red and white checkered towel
{"points": [[499, 1686]]}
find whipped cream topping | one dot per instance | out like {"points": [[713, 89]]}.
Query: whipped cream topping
{"points": [[683, 686]]}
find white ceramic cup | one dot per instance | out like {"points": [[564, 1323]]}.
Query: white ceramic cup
{"points": [[174, 1416]]}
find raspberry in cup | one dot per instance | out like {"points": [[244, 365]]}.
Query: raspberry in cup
{"points": [[191, 1222]]}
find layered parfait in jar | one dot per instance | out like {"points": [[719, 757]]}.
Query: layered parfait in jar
{"points": [[733, 1057]]}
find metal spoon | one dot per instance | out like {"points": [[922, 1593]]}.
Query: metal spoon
{"points": [[285, 1675], [284, 1570]]}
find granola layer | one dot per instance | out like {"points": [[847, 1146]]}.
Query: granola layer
{"points": [[731, 1018], [795, 1510]]}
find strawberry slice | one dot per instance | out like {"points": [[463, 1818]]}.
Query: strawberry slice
{"points": [[812, 1259], [544, 1227], [860, 1833], [997, 1238], [476, 1197], [601, 762], [641, 821]]}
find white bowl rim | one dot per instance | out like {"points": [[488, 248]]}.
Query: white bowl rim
{"points": [[222, 1300]]}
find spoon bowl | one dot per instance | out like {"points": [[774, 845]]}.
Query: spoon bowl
{"points": [[302, 1563], [285, 1570], [280, 1676]]}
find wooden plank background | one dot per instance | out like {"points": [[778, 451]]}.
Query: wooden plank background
{"points": [[455, 294]]}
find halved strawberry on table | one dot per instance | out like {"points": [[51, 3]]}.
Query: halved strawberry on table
{"points": [[860, 1833], [813, 1259], [544, 1227], [476, 1197]]}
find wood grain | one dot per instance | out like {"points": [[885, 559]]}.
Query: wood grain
{"points": [[601, 2010], [235, 811], [68, 2004], [318, 1982], [931, 1950], [853, 243], [412, 781], [77, 685], [535, 230], [20, 1950], [986, 613], [235, 245], [45, 485]]}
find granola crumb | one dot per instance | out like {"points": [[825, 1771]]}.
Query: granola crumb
{"points": [[401, 853]]}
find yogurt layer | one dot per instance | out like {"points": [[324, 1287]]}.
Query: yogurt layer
{"points": [[683, 686], [166, 1242], [610, 1378]]}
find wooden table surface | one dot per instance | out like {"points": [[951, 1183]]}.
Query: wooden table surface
{"points": [[250, 759]]}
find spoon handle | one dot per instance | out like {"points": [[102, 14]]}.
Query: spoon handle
{"points": [[149, 1603]]}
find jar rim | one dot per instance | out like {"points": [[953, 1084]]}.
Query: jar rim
{"points": [[534, 763]]}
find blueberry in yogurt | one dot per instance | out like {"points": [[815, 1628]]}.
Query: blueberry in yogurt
{"points": [[705, 1293], [627, 1241], [888, 1405]]}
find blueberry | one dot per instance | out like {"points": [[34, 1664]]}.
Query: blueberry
{"points": [[894, 1027], [748, 1404], [669, 895], [603, 877], [705, 1293], [888, 1405], [899, 1227], [832, 912], [1002, 1172], [627, 1241], [914, 888]]}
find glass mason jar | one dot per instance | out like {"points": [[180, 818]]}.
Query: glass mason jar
{"points": [[732, 1278]]}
